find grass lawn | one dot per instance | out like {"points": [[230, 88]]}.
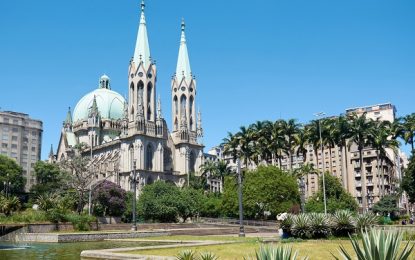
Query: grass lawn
{"points": [[314, 249]]}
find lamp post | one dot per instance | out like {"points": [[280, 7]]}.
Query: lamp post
{"points": [[241, 210], [319, 115], [302, 187], [134, 179]]}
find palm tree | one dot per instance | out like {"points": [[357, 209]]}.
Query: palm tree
{"points": [[245, 144], [277, 142], [343, 133], [360, 127], [260, 138], [312, 132], [329, 135], [381, 138], [301, 141], [408, 124], [290, 129]]}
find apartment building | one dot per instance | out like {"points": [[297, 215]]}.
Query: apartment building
{"points": [[21, 139]]}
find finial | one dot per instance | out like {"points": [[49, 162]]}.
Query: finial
{"points": [[183, 25], [143, 5]]}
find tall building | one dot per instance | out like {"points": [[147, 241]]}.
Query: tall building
{"points": [[122, 134], [21, 139], [344, 163]]}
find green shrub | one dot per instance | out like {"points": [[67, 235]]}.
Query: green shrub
{"points": [[319, 225], [286, 224], [274, 253], [378, 245], [8, 205], [301, 226], [366, 221], [80, 222], [27, 216], [343, 223], [187, 255], [208, 256]]}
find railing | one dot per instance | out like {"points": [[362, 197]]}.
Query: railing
{"points": [[232, 221]]}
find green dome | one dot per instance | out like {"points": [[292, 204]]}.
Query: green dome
{"points": [[110, 105]]}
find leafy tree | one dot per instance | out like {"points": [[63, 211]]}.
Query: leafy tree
{"points": [[408, 181], [337, 197], [264, 189], [49, 178], [158, 202], [386, 205], [189, 203], [11, 178], [78, 176], [212, 205], [109, 199]]}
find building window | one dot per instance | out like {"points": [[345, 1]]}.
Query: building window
{"points": [[15, 130], [14, 138], [33, 149], [149, 157], [14, 146], [3, 145]]}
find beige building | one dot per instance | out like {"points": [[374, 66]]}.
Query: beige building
{"points": [[127, 133], [21, 139]]}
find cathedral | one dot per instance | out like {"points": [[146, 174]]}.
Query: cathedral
{"points": [[122, 135]]}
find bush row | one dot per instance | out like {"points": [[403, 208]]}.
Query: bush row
{"points": [[319, 225]]}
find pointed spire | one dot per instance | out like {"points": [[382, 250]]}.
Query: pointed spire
{"points": [[142, 49], [183, 63], [125, 112], [93, 110], [199, 130], [159, 114], [51, 154], [68, 120]]}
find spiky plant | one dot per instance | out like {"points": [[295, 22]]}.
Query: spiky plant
{"points": [[343, 223], [366, 221], [301, 226], [286, 224], [187, 255], [274, 253], [208, 256], [378, 245], [319, 225]]}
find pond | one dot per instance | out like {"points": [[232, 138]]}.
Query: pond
{"points": [[61, 251]]}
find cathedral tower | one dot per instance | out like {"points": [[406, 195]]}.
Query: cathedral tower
{"points": [[142, 81]]}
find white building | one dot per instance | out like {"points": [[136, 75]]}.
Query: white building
{"points": [[124, 133]]}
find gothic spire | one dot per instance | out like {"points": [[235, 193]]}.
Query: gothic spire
{"points": [[183, 63], [68, 120], [51, 154], [159, 114], [142, 48], [199, 130]]}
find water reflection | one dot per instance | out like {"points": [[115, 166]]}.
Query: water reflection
{"points": [[64, 251]]}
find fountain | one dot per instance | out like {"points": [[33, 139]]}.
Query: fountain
{"points": [[12, 237]]}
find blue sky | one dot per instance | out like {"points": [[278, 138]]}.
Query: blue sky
{"points": [[253, 60]]}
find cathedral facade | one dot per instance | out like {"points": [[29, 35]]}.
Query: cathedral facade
{"points": [[122, 135]]}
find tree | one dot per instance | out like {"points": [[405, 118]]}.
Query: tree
{"points": [[386, 205], [11, 177], [337, 197], [109, 198], [360, 128], [290, 129], [49, 178], [408, 125], [408, 181], [189, 203], [266, 189], [159, 202], [79, 176]]}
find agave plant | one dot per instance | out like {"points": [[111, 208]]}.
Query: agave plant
{"points": [[274, 253], [378, 245], [208, 256], [286, 224], [187, 255], [319, 225], [366, 221], [343, 223], [301, 226]]}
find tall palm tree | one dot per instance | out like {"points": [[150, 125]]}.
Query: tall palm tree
{"points": [[408, 124], [290, 129], [261, 138], [312, 132], [301, 141], [360, 127], [277, 144], [343, 133], [230, 146], [329, 135], [381, 138]]}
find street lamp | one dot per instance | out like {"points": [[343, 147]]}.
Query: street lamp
{"points": [[319, 116], [302, 188], [134, 179], [241, 210]]}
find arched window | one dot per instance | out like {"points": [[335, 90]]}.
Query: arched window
{"points": [[132, 94], [140, 87], [192, 161], [149, 91], [191, 122], [149, 157], [176, 105], [131, 151], [191, 105], [176, 124], [183, 100]]}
